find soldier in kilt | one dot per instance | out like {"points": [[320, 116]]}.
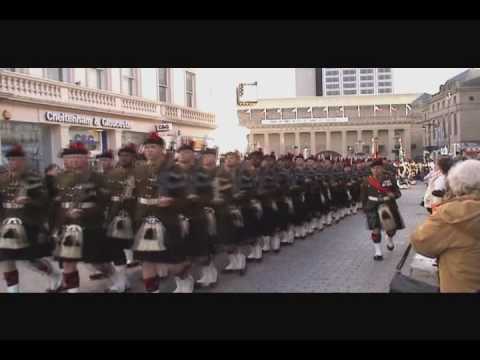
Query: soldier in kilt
{"points": [[379, 193], [79, 217], [267, 189], [120, 182], [161, 228], [23, 222], [198, 196], [298, 196], [285, 203]]}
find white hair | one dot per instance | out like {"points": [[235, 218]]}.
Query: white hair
{"points": [[464, 177]]}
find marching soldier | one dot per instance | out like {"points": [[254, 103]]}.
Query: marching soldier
{"points": [[104, 164], [24, 222], [198, 197], [230, 219], [160, 227], [298, 197], [379, 193], [267, 187], [79, 218], [120, 184]]}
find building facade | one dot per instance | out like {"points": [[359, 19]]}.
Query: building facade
{"points": [[45, 109], [450, 118], [343, 81], [357, 81], [347, 125]]}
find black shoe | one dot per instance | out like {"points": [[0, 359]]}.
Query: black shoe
{"points": [[378, 258], [390, 248]]}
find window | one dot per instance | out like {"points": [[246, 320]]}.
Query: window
{"points": [[366, 91], [367, 77], [331, 72], [384, 83], [129, 81], [349, 72], [384, 77], [384, 70], [384, 91], [58, 74], [455, 124], [368, 84], [163, 84], [366, 71], [350, 85], [97, 78], [349, 78], [333, 92], [332, 86], [471, 98], [350, 92], [443, 104], [190, 89], [19, 70], [329, 80]]}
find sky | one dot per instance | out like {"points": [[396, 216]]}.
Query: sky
{"points": [[219, 93]]}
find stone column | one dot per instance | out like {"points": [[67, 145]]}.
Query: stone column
{"points": [[267, 144], [297, 140], [282, 143], [391, 143], [344, 143], [328, 140], [313, 143]]}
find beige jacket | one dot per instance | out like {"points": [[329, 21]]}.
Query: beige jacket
{"points": [[452, 234]]}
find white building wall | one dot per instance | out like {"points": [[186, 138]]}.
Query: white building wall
{"points": [[80, 74], [178, 78], [305, 82], [148, 83], [115, 79]]}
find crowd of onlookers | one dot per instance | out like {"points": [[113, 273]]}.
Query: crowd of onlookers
{"points": [[451, 234]]}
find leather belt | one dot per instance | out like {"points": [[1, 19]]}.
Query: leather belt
{"points": [[373, 198], [145, 201], [12, 205], [84, 205]]}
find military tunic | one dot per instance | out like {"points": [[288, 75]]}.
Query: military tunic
{"points": [[32, 219]]}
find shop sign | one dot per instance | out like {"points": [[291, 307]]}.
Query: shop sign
{"points": [[74, 119]]}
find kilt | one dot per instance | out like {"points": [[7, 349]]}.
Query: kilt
{"points": [[252, 228], [115, 248], [176, 250], [40, 246], [373, 220], [300, 207], [269, 220], [227, 232], [284, 216], [198, 240]]}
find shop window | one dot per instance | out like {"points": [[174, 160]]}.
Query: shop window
{"points": [[90, 138]]}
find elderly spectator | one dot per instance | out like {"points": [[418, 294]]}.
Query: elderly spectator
{"points": [[452, 233], [437, 183]]}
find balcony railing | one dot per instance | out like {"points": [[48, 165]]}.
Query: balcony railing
{"points": [[28, 88]]}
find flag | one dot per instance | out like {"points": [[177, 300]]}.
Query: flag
{"points": [[248, 111], [376, 108], [294, 110], [326, 110], [309, 109], [358, 108], [407, 109], [342, 109], [392, 108]]}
